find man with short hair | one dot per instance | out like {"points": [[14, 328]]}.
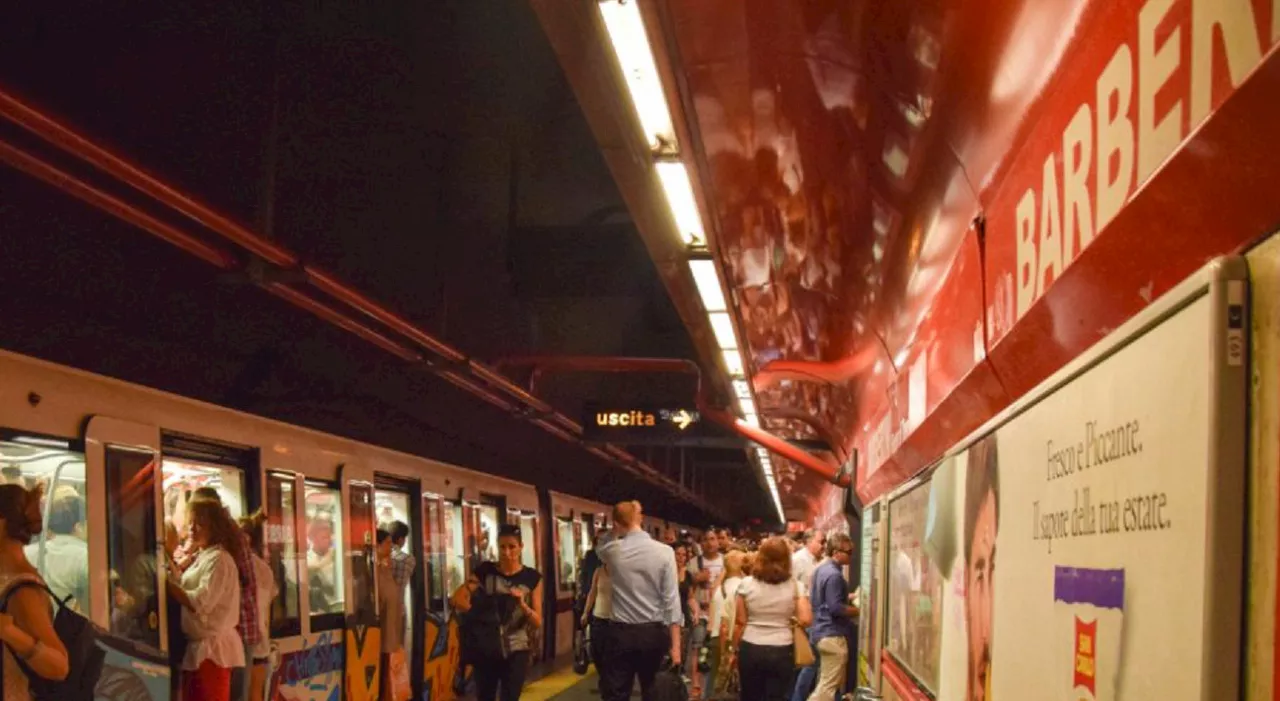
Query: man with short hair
{"points": [[402, 561], [832, 617], [707, 569], [62, 557], [646, 606], [803, 563]]}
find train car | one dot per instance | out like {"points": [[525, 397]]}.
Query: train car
{"points": [[127, 458]]}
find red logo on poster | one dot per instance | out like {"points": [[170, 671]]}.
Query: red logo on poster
{"points": [[1086, 637]]}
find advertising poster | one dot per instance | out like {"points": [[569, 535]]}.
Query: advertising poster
{"points": [[1096, 500], [1082, 550]]}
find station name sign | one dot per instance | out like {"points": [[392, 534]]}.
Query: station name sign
{"points": [[640, 424]]}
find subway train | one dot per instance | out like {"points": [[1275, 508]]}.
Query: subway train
{"points": [[131, 456]]}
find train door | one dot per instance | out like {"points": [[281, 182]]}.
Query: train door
{"points": [[363, 635], [292, 638], [437, 670], [125, 568], [395, 502]]}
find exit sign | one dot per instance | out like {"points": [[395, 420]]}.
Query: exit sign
{"points": [[640, 424]]}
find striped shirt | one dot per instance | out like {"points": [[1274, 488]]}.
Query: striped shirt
{"points": [[644, 580]]}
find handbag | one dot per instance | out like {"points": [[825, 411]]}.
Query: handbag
{"points": [[803, 650], [401, 690], [482, 630]]}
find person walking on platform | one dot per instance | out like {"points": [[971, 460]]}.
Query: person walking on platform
{"points": [[646, 607], [769, 603], [832, 617], [509, 595], [803, 563]]}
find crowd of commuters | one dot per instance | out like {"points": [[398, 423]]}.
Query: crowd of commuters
{"points": [[724, 611]]}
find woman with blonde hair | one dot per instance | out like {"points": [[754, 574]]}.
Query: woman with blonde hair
{"points": [[769, 604], [723, 607], [26, 620], [209, 593]]}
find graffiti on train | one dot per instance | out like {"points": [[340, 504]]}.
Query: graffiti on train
{"points": [[364, 646], [129, 673], [441, 659], [313, 673]]}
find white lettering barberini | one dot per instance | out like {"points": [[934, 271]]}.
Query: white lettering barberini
{"points": [[1170, 95]]}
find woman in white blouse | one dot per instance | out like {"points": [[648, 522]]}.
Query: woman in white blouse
{"points": [[769, 603], [209, 592]]}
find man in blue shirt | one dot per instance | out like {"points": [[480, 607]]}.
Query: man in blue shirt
{"points": [[832, 617], [646, 606]]}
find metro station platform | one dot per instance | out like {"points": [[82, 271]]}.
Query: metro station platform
{"points": [[566, 685]]}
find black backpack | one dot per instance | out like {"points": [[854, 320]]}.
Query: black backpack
{"points": [[84, 655], [482, 632]]}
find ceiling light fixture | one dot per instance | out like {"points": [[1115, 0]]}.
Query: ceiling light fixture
{"points": [[722, 325], [625, 25], [708, 283], [679, 190], [733, 363]]}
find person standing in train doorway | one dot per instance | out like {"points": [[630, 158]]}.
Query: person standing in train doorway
{"points": [[646, 607], [981, 524], [512, 593]]}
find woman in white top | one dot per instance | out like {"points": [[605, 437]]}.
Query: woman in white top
{"points": [[723, 606], [254, 527], [209, 592], [26, 626], [769, 604], [598, 613]]}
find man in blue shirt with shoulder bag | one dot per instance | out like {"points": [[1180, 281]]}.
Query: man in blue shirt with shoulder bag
{"points": [[832, 618]]}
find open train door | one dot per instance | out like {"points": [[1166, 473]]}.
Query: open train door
{"points": [[363, 636], [127, 558]]}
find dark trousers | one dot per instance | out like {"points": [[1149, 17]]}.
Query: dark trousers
{"points": [[599, 632], [632, 650], [508, 673], [765, 671]]}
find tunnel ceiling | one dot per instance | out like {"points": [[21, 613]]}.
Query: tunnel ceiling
{"points": [[432, 154], [905, 199]]}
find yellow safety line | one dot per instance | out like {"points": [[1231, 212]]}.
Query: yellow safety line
{"points": [[553, 684]]}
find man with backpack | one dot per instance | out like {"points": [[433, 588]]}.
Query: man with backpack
{"points": [[707, 570]]}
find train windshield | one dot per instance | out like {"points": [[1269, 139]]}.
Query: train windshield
{"points": [[61, 551]]}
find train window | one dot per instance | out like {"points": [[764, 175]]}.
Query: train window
{"points": [[182, 479], [529, 533], [568, 555], [131, 545], [486, 549], [61, 551], [282, 553], [457, 556], [325, 546], [435, 544], [360, 553], [585, 535]]}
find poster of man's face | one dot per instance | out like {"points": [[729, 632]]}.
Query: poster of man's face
{"points": [[982, 520]]}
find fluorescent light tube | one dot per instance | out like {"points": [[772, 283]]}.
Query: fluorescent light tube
{"points": [[679, 190], [722, 325], [630, 41], [704, 276]]}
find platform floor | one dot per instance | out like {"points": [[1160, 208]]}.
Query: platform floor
{"points": [[565, 685]]}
